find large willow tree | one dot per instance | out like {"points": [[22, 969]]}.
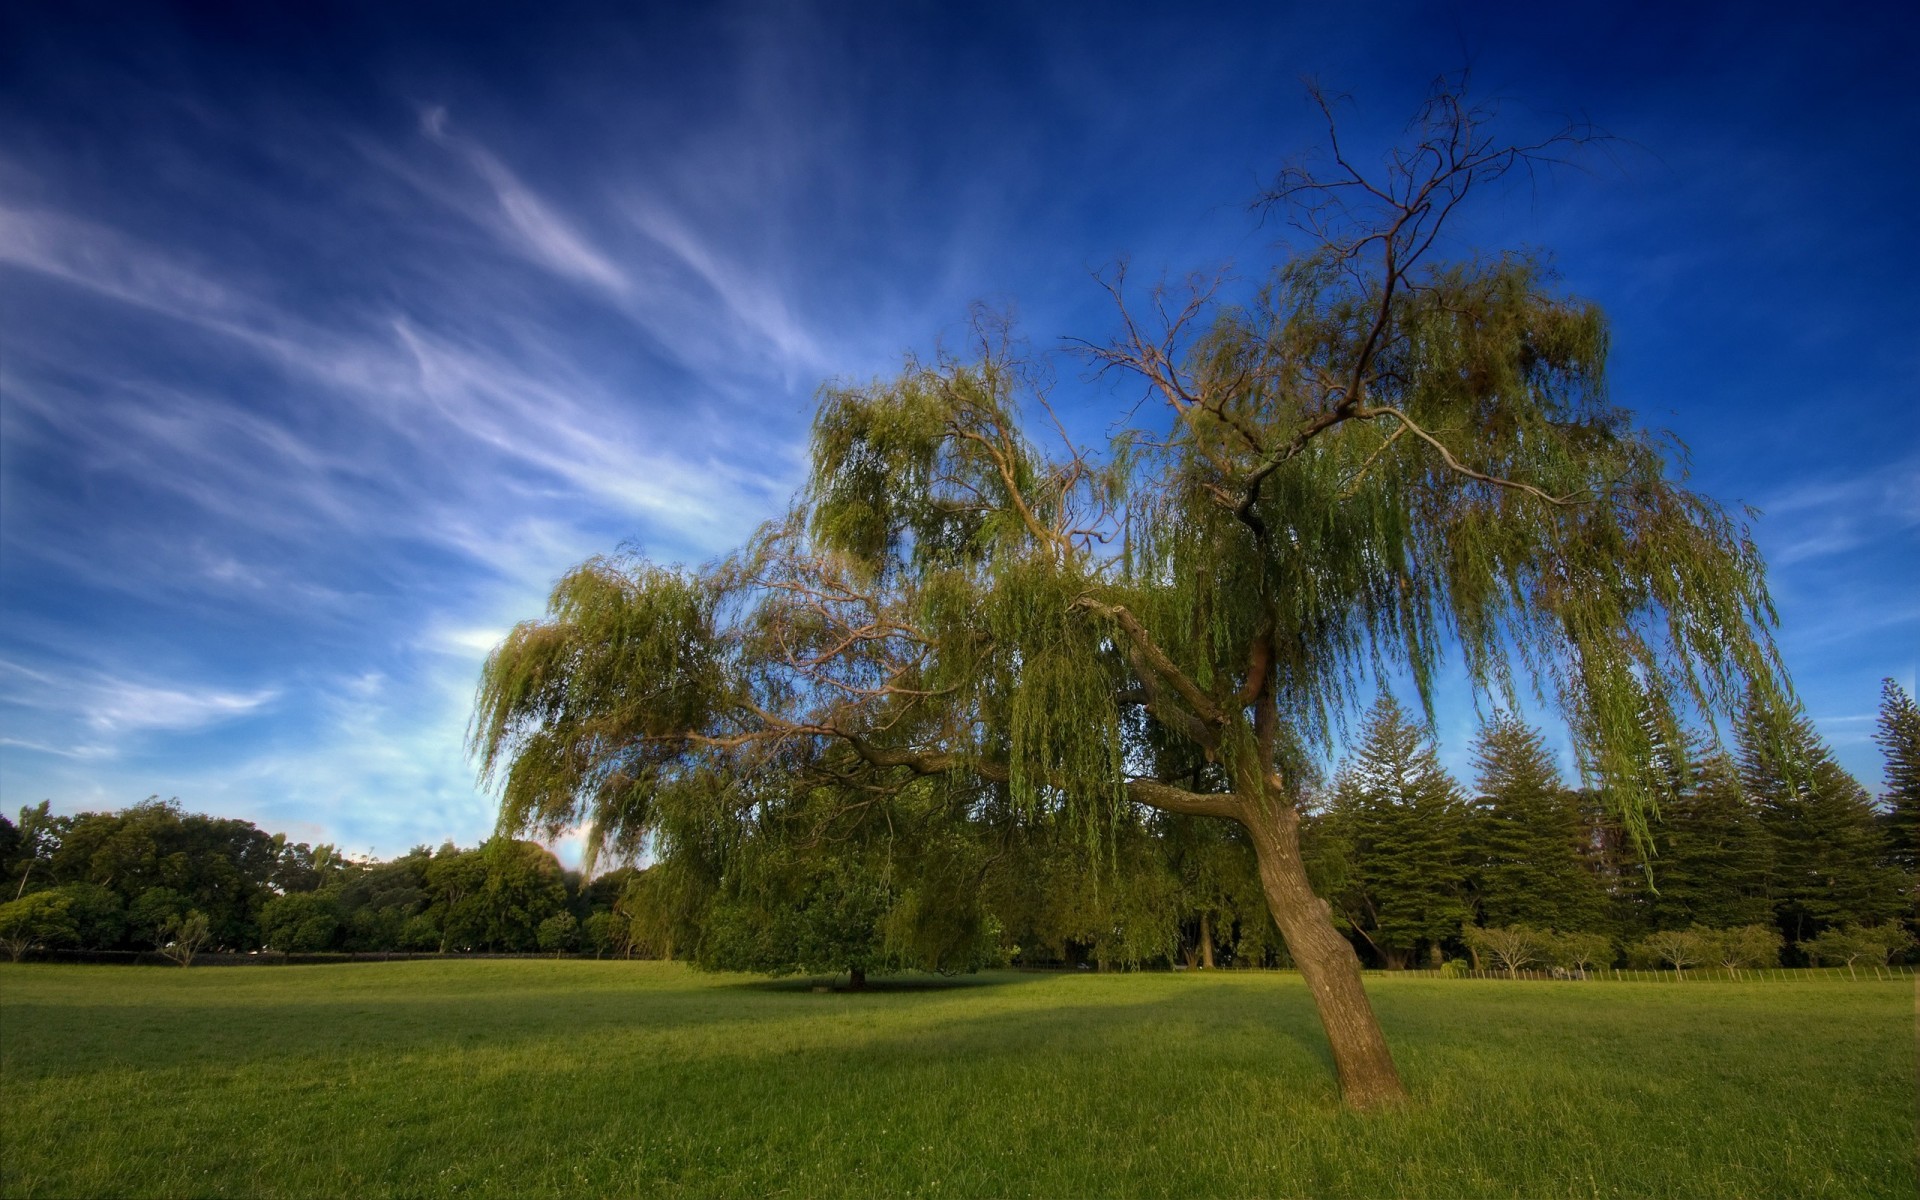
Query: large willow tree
{"points": [[1384, 455]]}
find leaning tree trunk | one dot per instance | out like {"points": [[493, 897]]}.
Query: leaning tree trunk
{"points": [[1206, 941], [1368, 1078]]}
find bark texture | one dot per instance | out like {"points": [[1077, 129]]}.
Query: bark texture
{"points": [[1368, 1077]]}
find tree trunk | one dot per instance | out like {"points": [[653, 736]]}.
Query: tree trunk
{"points": [[1206, 942], [1368, 1078], [856, 979]]}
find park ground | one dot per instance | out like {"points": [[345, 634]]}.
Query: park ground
{"points": [[638, 1078]]}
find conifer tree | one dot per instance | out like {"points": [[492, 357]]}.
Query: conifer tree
{"points": [[1899, 739], [1828, 850], [1714, 859], [1529, 839], [1396, 824]]}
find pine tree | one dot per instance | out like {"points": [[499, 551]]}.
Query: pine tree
{"points": [[1827, 848], [1529, 836], [1713, 858], [1393, 843], [1899, 739]]}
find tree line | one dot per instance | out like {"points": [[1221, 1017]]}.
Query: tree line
{"points": [[1766, 854]]}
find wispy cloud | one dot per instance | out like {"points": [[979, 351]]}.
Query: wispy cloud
{"points": [[1833, 516], [112, 706], [522, 218]]}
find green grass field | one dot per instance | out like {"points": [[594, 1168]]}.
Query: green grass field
{"points": [[535, 1077]]}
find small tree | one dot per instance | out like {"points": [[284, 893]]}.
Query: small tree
{"points": [[1886, 940], [1580, 952], [1682, 948], [185, 936], [1748, 946], [1849, 944], [557, 933], [37, 919], [1512, 946]]}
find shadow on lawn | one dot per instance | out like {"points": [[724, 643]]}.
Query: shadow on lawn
{"points": [[906, 982]]}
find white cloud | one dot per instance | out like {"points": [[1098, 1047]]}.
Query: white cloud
{"points": [[1832, 516], [522, 219], [110, 705]]}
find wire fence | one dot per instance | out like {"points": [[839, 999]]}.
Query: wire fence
{"points": [[1855, 974]]}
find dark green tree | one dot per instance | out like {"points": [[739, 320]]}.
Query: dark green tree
{"points": [[1713, 859], [1377, 455], [1827, 849], [1392, 852], [1532, 851], [99, 915], [300, 921], [1898, 736]]}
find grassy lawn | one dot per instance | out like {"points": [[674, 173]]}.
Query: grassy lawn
{"points": [[531, 1077]]}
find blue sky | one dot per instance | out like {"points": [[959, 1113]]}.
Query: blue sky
{"points": [[331, 335]]}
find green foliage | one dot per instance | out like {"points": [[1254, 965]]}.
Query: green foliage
{"points": [[300, 921], [1713, 858], [558, 932], [185, 935], [36, 919], [1528, 837], [1680, 948], [1827, 849], [1898, 735], [1580, 951], [1739, 948], [1847, 945], [814, 917], [99, 917], [155, 913], [1389, 851]]}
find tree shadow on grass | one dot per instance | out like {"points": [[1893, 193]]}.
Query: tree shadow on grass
{"points": [[903, 983]]}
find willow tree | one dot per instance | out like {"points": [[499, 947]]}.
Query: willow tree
{"points": [[1380, 456]]}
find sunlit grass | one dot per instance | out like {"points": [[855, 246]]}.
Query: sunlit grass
{"points": [[534, 1077]]}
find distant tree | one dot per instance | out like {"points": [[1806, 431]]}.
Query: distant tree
{"points": [[523, 885], [33, 920], [454, 880], [99, 916], [1713, 857], [606, 933], [1682, 948], [1847, 945], [1748, 946], [185, 936], [1530, 842], [1512, 947], [1391, 849], [300, 922], [222, 867], [1898, 736], [155, 914], [557, 932], [809, 915], [1827, 848], [36, 838], [1579, 952]]}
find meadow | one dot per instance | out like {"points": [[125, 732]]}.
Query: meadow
{"points": [[548, 1077]]}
